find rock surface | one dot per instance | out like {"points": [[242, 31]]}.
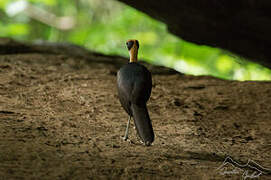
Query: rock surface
{"points": [[242, 26], [60, 118]]}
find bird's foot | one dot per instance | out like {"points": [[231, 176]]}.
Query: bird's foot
{"points": [[147, 143], [127, 139], [124, 138]]}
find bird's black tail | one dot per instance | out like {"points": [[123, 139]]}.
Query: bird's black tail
{"points": [[143, 123]]}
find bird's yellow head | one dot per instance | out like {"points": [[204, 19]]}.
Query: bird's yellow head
{"points": [[133, 47]]}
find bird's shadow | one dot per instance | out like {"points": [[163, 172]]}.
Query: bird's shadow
{"points": [[202, 156]]}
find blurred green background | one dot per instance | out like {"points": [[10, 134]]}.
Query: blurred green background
{"points": [[105, 25]]}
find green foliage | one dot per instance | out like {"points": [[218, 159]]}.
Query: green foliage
{"points": [[14, 30], [105, 25]]}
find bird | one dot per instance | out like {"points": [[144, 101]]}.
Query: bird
{"points": [[134, 84]]}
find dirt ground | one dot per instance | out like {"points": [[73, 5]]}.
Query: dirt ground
{"points": [[60, 118]]}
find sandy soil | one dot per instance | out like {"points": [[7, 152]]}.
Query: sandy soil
{"points": [[60, 118]]}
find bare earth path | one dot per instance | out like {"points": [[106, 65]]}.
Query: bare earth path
{"points": [[60, 118]]}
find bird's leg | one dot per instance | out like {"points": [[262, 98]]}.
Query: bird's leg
{"points": [[127, 129]]}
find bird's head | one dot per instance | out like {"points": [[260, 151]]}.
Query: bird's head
{"points": [[133, 47]]}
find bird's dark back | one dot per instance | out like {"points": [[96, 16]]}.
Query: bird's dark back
{"points": [[134, 83]]}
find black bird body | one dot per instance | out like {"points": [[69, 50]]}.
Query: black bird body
{"points": [[134, 83]]}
